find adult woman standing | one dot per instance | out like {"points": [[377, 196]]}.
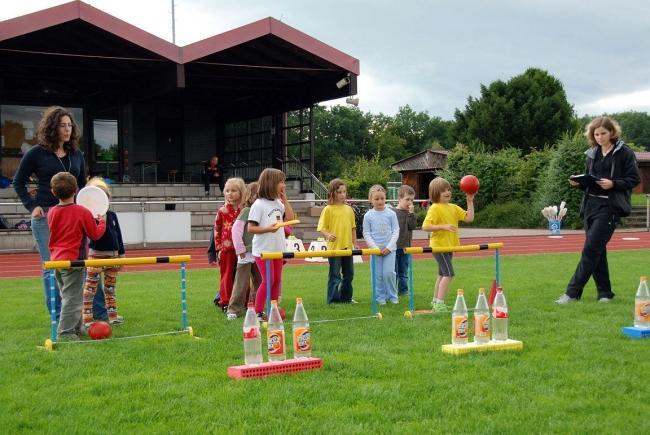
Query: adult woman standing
{"points": [[58, 137], [614, 165]]}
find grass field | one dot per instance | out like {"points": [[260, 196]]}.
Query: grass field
{"points": [[577, 373]]}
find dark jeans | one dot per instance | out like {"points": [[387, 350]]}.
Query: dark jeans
{"points": [[600, 224], [339, 283], [402, 271], [208, 179]]}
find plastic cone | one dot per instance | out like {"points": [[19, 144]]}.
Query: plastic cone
{"points": [[493, 292]]}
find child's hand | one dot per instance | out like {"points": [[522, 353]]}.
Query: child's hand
{"points": [[470, 196], [331, 237], [242, 255], [449, 227], [385, 251], [573, 183], [411, 208], [101, 217]]}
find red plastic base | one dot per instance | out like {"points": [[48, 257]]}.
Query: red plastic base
{"points": [[274, 368]]}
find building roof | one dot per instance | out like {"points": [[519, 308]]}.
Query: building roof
{"points": [[642, 157], [426, 160]]}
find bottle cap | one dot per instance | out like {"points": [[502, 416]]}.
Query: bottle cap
{"points": [[251, 305], [274, 302], [499, 289], [461, 291], [481, 290], [644, 278], [299, 300]]}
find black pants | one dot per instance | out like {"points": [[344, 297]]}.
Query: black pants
{"points": [[207, 179], [600, 224]]}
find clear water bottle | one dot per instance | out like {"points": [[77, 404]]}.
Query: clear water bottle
{"points": [[500, 317], [252, 337], [642, 305], [459, 321], [301, 332], [481, 319], [275, 334]]}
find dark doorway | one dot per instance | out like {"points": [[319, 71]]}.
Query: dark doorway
{"points": [[169, 149]]}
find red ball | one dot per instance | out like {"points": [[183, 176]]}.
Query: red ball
{"points": [[469, 184], [100, 330]]}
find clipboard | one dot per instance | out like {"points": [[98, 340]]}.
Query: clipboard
{"points": [[585, 180]]}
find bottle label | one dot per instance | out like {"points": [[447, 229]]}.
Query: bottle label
{"points": [[301, 340], [460, 326], [276, 342], [481, 325], [500, 312], [642, 309], [251, 333]]}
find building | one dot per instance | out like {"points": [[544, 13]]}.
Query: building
{"points": [[419, 169], [151, 110]]}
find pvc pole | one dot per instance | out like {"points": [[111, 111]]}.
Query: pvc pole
{"points": [[268, 288], [496, 262], [372, 284], [52, 305], [411, 289], [183, 298]]}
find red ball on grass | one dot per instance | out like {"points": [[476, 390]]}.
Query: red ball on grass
{"points": [[469, 184], [100, 330]]}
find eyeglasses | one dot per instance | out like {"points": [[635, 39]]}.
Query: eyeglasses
{"points": [[65, 125]]}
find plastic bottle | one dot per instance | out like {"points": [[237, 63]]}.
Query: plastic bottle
{"points": [[500, 317], [642, 305], [301, 332], [459, 321], [481, 319], [275, 334], [252, 337]]}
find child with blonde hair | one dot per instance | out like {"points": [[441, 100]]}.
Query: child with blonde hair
{"points": [[442, 221], [246, 268], [381, 230], [269, 209], [233, 193], [110, 245], [337, 225]]}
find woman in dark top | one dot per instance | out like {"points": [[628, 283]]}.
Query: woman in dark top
{"points": [[58, 137], [614, 165]]}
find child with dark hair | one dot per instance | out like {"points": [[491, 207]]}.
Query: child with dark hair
{"points": [[69, 223]]}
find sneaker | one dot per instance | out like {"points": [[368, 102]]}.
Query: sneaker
{"points": [[406, 293], [352, 301], [394, 301], [231, 316], [440, 308], [117, 321], [68, 337], [261, 316], [605, 300], [565, 299], [381, 302]]}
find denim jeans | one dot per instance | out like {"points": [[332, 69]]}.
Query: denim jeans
{"points": [[41, 234], [402, 271], [339, 282]]}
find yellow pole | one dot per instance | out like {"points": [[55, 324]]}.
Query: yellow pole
{"points": [[116, 262]]}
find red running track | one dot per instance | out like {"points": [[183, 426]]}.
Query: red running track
{"points": [[24, 265]]}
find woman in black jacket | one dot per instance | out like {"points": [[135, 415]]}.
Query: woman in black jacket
{"points": [[614, 166]]}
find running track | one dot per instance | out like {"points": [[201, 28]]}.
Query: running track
{"points": [[23, 265]]}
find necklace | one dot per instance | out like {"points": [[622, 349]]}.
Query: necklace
{"points": [[62, 165]]}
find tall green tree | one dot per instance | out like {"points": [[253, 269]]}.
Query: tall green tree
{"points": [[636, 128], [528, 111]]}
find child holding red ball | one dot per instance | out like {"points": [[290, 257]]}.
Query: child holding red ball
{"points": [[442, 221]]}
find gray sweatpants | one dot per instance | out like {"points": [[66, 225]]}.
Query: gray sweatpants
{"points": [[71, 284]]}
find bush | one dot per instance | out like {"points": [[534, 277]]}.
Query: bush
{"points": [[363, 174], [512, 214]]}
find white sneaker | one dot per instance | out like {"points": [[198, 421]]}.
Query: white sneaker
{"points": [[565, 299], [605, 300]]}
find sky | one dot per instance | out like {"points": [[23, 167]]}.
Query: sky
{"points": [[434, 54]]}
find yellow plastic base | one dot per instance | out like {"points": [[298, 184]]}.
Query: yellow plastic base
{"points": [[379, 316], [461, 349], [49, 345], [190, 331]]}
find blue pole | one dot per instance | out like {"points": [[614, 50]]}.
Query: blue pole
{"points": [[268, 288], [411, 288], [372, 284], [52, 304], [183, 298], [496, 261]]}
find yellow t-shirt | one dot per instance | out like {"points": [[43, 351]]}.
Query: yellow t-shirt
{"points": [[441, 214], [338, 219]]}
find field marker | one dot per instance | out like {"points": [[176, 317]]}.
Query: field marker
{"points": [[461, 349]]}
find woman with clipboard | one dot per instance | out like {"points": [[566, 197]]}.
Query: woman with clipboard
{"points": [[610, 174]]}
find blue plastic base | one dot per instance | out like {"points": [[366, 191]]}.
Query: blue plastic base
{"points": [[634, 332]]}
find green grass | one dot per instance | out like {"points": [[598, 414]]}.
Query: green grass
{"points": [[577, 372], [639, 199]]}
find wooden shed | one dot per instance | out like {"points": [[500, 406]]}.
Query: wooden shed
{"points": [[419, 169], [643, 161]]}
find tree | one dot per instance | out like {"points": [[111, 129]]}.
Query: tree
{"points": [[529, 111], [636, 128]]}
